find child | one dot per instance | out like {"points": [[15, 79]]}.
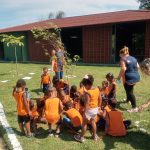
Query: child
{"points": [[115, 126], [22, 107], [92, 104], [104, 93], [45, 79], [53, 108], [73, 119], [34, 117], [64, 97], [76, 101], [112, 86], [73, 90], [60, 84]]}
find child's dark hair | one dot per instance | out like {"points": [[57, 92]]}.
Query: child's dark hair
{"points": [[73, 89], [112, 103], [88, 80], [20, 83], [45, 68], [109, 75], [82, 100], [55, 80], [68, 105]]}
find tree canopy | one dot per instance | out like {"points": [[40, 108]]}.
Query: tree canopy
{"points": [[144, 4]]}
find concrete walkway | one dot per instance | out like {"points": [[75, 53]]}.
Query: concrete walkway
{"points": [[2, 144]]}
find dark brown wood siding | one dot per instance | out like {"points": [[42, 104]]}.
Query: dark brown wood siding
{"points": [[36, 51], [147, 40], [97, 44]]}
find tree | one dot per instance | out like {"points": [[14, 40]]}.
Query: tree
{"points": [[144, 4], [13, 41], [59, 14]]}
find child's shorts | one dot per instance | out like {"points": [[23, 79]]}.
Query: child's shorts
{"points": [[22, 119], [91, 113], [45, 87]]}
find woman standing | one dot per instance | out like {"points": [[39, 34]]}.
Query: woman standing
{"points": [[58, 62], [130, 76]]}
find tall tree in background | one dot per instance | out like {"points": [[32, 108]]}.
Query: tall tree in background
{"points": [[59, 14], [144, 4]]}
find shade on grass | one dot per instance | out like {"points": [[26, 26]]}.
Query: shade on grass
{"points": [[135, 139]]}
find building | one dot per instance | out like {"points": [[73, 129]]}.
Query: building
{"points": [[96, 38]]}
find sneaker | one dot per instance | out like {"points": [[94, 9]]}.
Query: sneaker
{"points": [[96, 138], [133, 110], [50, 133], [79, 138], [57, 133]]}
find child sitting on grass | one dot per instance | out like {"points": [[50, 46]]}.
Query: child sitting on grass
{"points": [[45, 80], [53, 109], [23, 109], [72, 119], [115, 126]]}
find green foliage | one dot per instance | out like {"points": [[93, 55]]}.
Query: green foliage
{"points": [[144, 4], [12, 40], [48, 35]]}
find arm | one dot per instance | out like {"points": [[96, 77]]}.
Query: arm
{"points": [[87, 100], [123, 69], [99, 100], [41, 81], [14, 89], [53, 62], [25, 104], [60, 106]]}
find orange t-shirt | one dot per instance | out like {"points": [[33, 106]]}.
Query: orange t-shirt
{"points": [[52, 110], [107, 108], [104, 91], [81, 90], [45, 79], [21, 110], [75, 117], [116, 125], [34, 112], [110, 87], [94, 96]]}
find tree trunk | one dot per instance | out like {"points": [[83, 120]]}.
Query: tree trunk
{"points": [[16, 60]]}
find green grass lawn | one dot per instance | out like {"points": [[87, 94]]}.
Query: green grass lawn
{"points": [[135, 139]]}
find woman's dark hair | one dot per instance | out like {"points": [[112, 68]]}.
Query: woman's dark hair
{"points": [[110, 75], [88, 80], [20, 83], [55, 80]]}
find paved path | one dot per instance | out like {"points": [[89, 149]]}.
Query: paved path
{"points": [[2, 144]]}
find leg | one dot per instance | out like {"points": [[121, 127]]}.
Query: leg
{"points": [[132, 98], [84, 126], [61, 74], [21, 128], [57, 74], [27, 125], [94, 128], [127, 94]]}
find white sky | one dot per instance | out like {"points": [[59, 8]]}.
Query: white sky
{"points": [[16, 12]]}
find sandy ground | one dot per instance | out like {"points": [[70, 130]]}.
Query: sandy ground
{"points": [[2, 144]]}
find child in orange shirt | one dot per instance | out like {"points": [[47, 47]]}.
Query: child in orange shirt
{"points": [[45, 79], [115, 126], [72, 119], [64, 97], [112, 88], [92, 104], [53, 109], [22, 107]]}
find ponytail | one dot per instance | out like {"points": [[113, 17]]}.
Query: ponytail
{"points": [[124, 50]]}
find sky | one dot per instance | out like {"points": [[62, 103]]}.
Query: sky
{"points": [[17, 12]]}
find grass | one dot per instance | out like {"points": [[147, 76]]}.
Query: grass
{"points": [[134, 140]]}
